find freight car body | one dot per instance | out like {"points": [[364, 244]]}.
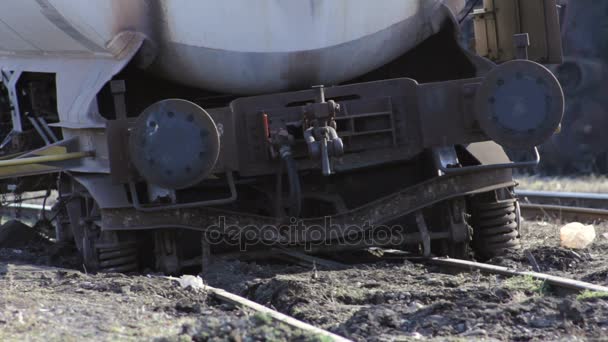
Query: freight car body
{"points": [[580, 147], [387, 161]]}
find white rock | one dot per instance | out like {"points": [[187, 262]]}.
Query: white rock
{"points": [[414, 306], [195, 283], [416, 335], [577, 235]]}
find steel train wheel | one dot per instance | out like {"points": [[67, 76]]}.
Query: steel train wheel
{"points": [[496, 227], [101, 251]]}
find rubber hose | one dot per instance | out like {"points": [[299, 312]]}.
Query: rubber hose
{"points": [[295, 188]]}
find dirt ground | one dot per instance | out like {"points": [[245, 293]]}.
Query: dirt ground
{"points": [[44, 296], [401, 300], [41, 302]]}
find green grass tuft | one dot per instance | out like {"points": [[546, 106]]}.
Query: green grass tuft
{"points": [[262, 319], [587, 294], [527, 284], [320, 338]]}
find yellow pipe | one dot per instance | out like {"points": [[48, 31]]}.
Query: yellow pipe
{"points": [[11, 156], [45, 159]]}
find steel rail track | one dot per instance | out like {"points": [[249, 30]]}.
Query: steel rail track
{"points": [[231, 298], [564, 205], [561, 282]]}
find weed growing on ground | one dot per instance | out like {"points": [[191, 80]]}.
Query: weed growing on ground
{"points": [[262, 318], [587, 294], [526, 284]]}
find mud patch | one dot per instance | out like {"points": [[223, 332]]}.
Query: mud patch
{"points": [[558, 258], [598, 277], [388, 302]]}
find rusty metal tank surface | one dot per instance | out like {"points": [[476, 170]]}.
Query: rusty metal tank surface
{"points": [[232, 46]]}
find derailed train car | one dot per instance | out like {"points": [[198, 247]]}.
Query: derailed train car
{"points": [[581, 147], [180, 128]]}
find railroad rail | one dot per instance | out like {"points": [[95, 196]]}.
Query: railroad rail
{"points": [[231, 298], [564, 205], [236, 300], [468, 265], [561, 282]]}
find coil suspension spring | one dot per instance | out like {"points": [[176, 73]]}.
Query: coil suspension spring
{"points": [[117, 257], [496, 227]]}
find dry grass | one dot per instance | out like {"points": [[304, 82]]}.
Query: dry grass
{"points": [[592, 183]]}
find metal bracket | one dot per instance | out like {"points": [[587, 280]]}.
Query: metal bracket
{"points": [[117, 136], [459, 230], [119, 89], [43, 129], [424, 234], [521, 42], [166, 251], [439, 158], [141, 207], [7, 139], [10, 80]]}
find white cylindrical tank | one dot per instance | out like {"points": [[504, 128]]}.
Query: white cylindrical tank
{"points": [[231, 46]]}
